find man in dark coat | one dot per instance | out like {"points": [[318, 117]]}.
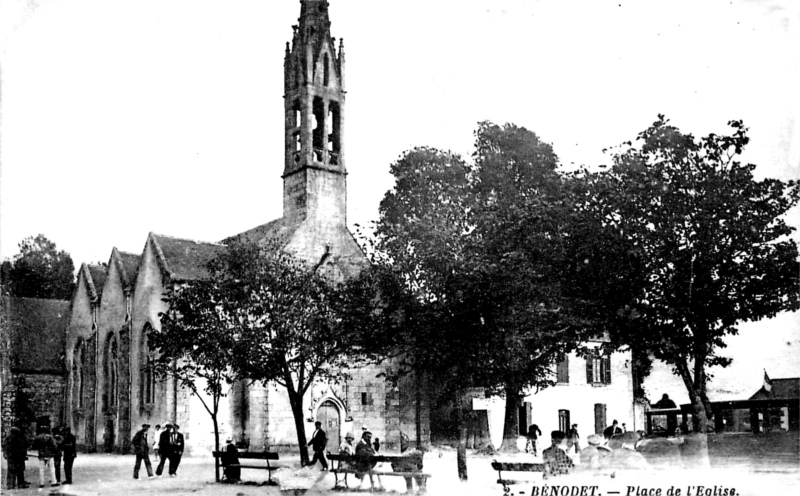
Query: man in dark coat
{"points": [[70, 450], [141, 448], [176, 450], [59, 451], [230, 462], [612, 430], [163, 448], [15, 450], [318, 442], [533, 434]]}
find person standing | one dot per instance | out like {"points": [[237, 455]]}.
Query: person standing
{"points": [[70, 451], [318, 442], [176, 450], [141, 447], [46, 446], [574, 439], [164, 443], [57, 458], [15, 450], [156, 438], [533, 434]]}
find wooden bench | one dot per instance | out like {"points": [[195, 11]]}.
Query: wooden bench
{"points": [[349, 461], [254, 455], [515, 467]]}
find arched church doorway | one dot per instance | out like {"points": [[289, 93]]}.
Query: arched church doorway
{"points": [[328, 414]]}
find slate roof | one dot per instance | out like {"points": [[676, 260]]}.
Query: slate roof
{"points": [[95, 276], [36, 330], [184, 259], [127, 265], [278, 230], [781, 389]]}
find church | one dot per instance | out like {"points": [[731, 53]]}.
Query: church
{"points": [[111, 389]]}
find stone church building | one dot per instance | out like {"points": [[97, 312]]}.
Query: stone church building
{"points": [[111, 388]]}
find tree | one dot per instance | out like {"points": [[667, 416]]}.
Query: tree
{"points": [[195, 344], [277, 319], [484, 248], [708, 241], [39, 270]]}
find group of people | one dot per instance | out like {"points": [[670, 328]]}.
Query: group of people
{"points": [[168, 445], [613, 450], [51, 446]]}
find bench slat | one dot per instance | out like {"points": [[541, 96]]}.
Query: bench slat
{"points": [[402, 474], [519, 467]]}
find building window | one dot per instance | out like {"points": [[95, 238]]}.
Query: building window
{"points": [[562, 371], [599, 417], [598, 369]]}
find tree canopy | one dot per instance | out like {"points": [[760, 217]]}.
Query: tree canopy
{"points": [[484, 247], [707, 246], [39, 270], [263, 316]]}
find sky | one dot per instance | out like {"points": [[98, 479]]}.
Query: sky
{"points": [[124, 117]]}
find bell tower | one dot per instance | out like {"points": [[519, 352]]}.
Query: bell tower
{"points": [[314, 185]]}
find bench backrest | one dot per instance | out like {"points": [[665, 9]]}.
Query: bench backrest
{"points": [[254, 455], [338, 457]]}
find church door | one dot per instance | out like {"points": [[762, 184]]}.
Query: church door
{"points": [[328, 414]]}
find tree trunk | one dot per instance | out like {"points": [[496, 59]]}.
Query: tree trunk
{"points": [[296, 401], [694, 449], [511, 420], [461, 428], [216, 445], [417, 412]]}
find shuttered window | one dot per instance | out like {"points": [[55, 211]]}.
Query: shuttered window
{"points": [[598, 369], [562, 371]]}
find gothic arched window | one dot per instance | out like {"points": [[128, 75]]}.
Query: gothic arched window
{"points": [[147, 368], [110, 396], [77, 374]]}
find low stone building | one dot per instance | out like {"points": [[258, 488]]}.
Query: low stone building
{"points": [[112, 389], [32, 361]]}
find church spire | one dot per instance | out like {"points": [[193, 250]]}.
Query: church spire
{"points": [[314, 105]]}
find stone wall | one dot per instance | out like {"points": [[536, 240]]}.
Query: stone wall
{"points": [[30, 396]]}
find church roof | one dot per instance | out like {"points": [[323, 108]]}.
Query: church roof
{"points": [[277, 231], [184, 259], [36, 331], [127, 265], [781, 389], [95, 277]]}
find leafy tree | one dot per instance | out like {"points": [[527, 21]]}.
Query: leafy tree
{"points": [[484, 247], [39, 270], [266, 315], [707, 243], [195, 344]]}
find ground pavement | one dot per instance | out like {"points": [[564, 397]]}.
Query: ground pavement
{"points": [[99, 474]]}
